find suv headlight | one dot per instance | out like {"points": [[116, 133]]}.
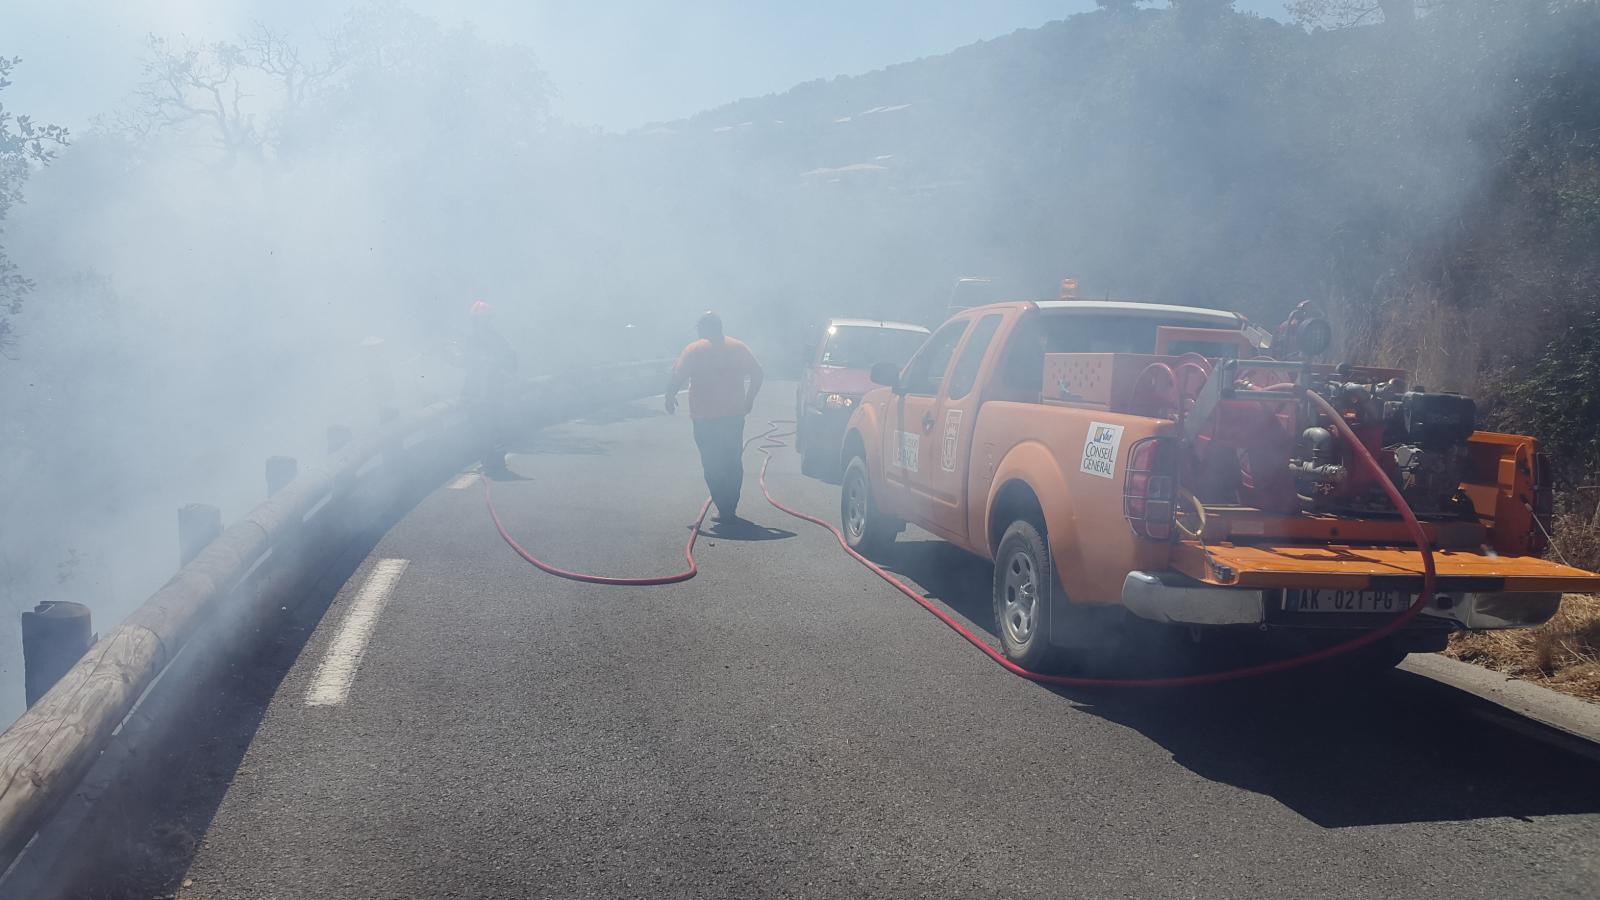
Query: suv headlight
{"points": [[835, 401]]}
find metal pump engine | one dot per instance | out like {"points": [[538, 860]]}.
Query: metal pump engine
{"points": [[1420, 439], [1253, 436]]}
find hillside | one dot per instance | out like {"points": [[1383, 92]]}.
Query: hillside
{"points": [[1443, 180]]}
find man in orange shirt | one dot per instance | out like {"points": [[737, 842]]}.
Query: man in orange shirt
{"points": [[723, 378]]}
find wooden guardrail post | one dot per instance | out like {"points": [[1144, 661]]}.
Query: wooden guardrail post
{"points": [[55, 635], [280, 471], [198, 525]]}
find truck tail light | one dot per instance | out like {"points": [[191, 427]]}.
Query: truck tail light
{"points": [[1147, 494]]}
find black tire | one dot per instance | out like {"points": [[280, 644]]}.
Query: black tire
{"points": [[1026, 594], [818, 462], [866, 530]]}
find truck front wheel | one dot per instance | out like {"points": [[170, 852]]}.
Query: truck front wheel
{"points": [[817, 462], [1025, 591], [866, 530]]}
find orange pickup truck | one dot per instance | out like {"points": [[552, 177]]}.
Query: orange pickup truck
{"points": [[1118, 458]]}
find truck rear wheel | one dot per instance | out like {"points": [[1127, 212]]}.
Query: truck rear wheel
{"points": [[1025, 594], [866, 530]]}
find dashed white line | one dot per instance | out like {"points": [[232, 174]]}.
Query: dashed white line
{"points": [[331, 685], [464, 481]]}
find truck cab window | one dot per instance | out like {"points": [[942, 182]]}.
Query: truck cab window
{"points": [[927, 370], [966, 371], [1022, 367], [1110, 333]]}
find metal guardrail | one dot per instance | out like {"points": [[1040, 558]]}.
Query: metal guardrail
{"points": [[47, 751]]}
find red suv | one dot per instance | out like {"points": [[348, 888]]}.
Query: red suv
{"points": [[837, 375]]}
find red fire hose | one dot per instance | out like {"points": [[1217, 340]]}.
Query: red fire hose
{"points": [[773, 441], [619, 581], [614, 580]]}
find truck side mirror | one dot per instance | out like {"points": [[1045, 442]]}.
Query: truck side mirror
{"points": [[886, 374]]}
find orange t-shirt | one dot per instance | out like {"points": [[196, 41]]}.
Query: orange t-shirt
{"points": [[716, 374]]}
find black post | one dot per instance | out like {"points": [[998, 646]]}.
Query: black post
{"points": [[198, 525], [54, 636]]}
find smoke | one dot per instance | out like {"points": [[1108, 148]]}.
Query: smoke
{"points": [[215, 257]]}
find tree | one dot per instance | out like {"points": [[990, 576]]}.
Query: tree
{"points": [[219, 86], [186, 84], [261, 96], [1202, 7], [23, 146], [298, 79], [1396, 14]]}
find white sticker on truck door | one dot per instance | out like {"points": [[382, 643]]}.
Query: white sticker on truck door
{"points": [[1100, 450], [952, 434], [908, 448]]}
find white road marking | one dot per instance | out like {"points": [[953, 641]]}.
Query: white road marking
{"points": [[464, 481], [331, 685]]}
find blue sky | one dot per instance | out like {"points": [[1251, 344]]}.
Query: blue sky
{"points": [[616, 64]]}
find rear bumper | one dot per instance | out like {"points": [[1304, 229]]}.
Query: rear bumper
{"points": [[1180, 600], [1174, 598]]}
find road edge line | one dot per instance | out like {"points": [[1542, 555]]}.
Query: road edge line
{"points": [[336, 674]]}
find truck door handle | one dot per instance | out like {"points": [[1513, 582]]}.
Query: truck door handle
{"points": [[927, 421]]}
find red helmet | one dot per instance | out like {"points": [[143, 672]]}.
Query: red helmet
{"points": [[480, 308]]}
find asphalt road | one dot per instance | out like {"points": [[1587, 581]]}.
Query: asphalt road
{"points": [[786, 725]]}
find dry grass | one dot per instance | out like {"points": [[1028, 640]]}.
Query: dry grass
{"points": [[1563, 654], [1578, 536]]}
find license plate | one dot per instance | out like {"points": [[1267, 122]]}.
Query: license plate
{"points": [[1342, 601]]}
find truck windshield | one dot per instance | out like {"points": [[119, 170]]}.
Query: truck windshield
{"points": [[864, 346]]}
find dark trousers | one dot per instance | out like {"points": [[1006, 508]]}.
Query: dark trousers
{"points": [[721, 443]]}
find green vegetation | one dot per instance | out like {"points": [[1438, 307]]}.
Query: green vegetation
{"points": [[1555, 397], [23, 145]]}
